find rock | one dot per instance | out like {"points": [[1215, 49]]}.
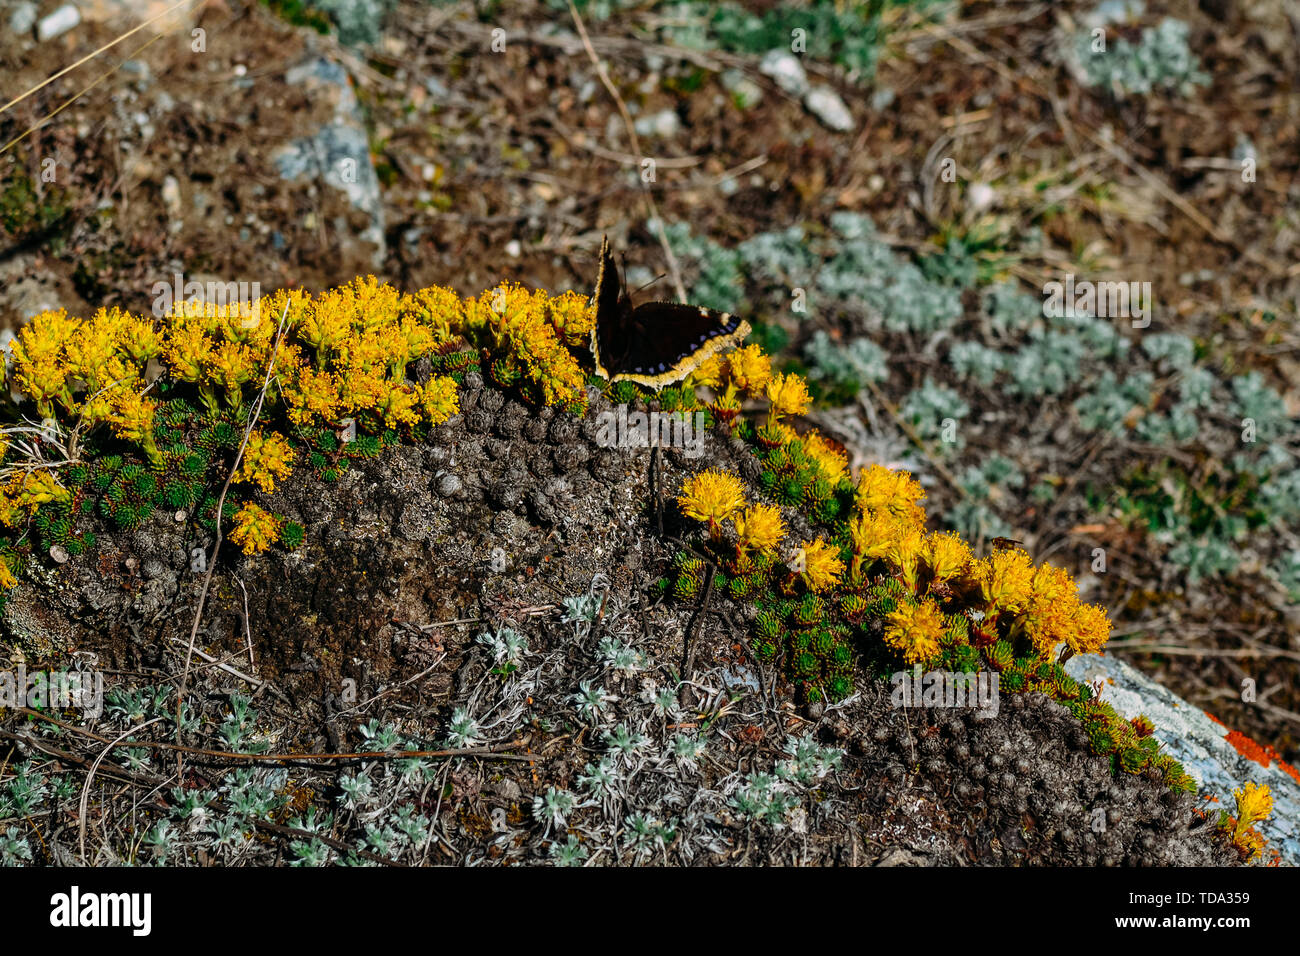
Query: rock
{"points": [[980, 196], [826, 105], [1200, 744], [140, 72], [338, 154], [23, 18], [786, 71], [57, 23], [664, 124], [171, 197]]}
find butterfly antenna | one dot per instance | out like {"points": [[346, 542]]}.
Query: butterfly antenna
{"points": [[661, 275]]}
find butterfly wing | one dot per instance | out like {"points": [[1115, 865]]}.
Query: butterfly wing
{"points": [[609, 334], [666, 341], [656, 343]]}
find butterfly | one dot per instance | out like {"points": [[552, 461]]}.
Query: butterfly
{"points": [[655, 343]]}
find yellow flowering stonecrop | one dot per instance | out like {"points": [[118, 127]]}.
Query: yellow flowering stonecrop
{"points": [[335, 377], [876, 587], [119, 415], [1254, 804]]}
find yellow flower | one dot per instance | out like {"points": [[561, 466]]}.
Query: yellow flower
{"points": [[267, 459], [230, 365], [832, 461], [1089, 630], [712, 497], [1054, 585], [139, 338], [710, 372], [311, 394], [93, 345], [30, 490], [750, 370], [903, 554], [946, 555], [1254, 804], [882, 489], [131, 416], [726, 405], [327, 321], [788, 395], [1052, 614], [514, 321], [914, 630], [400, 406], [439, 398], [821, 566], [40, 359], [572, 318], [255, 529], [1005, 580], [439, 309], [7, 579], [186, 350], [760, 527]]}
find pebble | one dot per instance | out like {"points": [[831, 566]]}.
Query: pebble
{"points": [[786, 71], [23, 18], [59, 22], [171, 196], [665, 124], [826, 105], [980, 196]]}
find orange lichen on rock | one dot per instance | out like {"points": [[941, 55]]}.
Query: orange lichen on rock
{"points": [[1262, 754]]}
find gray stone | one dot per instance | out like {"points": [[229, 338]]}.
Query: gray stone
{"points": [[826, 105], [22, 18], [338, 154], [57, 23], [786, 71]]}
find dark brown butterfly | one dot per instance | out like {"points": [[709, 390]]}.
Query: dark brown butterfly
{"points": [[655, 343]]}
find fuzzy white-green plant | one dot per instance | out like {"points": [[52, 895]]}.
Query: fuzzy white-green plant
{"points": [[1160, 60]]}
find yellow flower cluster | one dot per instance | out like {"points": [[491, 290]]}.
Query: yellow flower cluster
{"points": [[760, 528], [267, 459], [91, 370], [1044, 601], [788, 395], [914, 630], [256, 529], [821, 565], [25, 491], [745, 370], [888, 525], [828, 457], [1254, 805], [894, 492], [529, 328], [712, 497], [359, 341]]}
